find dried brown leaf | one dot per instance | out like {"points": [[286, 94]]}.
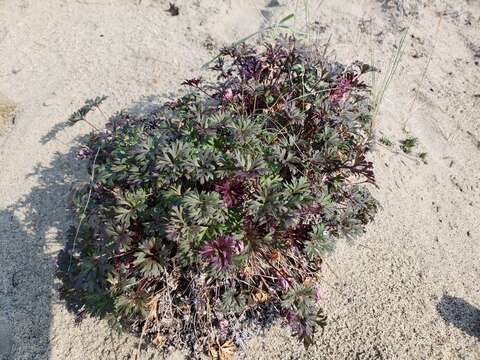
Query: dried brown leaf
{"points": [[159, 341], [227, 350], [152, 307], [223, 352], [260, 297]]}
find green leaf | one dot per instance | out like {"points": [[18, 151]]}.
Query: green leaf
{"points": [[286, 18], [320, 242]]}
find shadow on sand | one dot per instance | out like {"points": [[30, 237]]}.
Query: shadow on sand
{"points": [[461, 314], [32, 232]]}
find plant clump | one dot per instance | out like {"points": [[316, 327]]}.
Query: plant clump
{"points": [[212, 215], [408, 144]]}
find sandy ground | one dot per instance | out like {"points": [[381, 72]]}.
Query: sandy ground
{"points": [[409, 289]]}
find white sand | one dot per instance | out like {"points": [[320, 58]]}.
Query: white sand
{"points": [[408, 289]]}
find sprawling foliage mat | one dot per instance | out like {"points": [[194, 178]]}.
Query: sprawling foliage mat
{"points": [[210, 217]]}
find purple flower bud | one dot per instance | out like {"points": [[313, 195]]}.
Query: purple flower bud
{"points": [[340, 89], [227, 95], [284, 285], [84, 153]]}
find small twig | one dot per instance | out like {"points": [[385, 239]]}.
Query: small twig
{"points": [[89, 123], [101, 111], [82, 217], [139, 348], [365, 246]]}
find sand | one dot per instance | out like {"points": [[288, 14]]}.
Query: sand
{"points": [[408, 289]]}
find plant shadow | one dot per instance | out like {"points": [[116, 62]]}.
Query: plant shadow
{"points": [[461, 314], [34, 232], [31, 233]]}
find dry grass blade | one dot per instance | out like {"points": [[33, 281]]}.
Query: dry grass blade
{"points": [[392, 69]]}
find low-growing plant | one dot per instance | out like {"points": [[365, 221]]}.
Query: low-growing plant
{"points": [[210, 218], [173, 10], [408, 144], [423, 157], [385, 141]]}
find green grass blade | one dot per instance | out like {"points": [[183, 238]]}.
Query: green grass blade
{"points": [[286, 18]]}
